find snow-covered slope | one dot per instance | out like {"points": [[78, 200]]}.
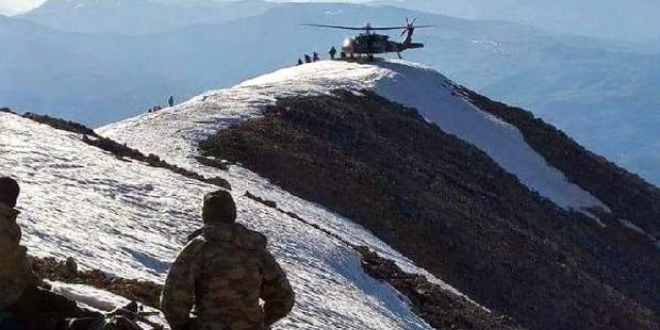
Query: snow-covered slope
{"points": [[130, 219], [174, 132]]}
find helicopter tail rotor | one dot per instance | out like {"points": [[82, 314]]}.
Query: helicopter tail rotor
{"points": [[410, 26]]}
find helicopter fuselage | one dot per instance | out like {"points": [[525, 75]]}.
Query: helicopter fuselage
{"points": [[374, 43]]}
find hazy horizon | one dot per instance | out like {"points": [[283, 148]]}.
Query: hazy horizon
{"points": [[600, 19], [14, 7]]}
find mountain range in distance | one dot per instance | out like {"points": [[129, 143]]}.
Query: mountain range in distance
{"points": [[632, 20]]}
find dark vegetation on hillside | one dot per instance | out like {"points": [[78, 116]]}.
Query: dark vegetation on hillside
{"points": [[61, 124], [628, 195], [448, 206], [144, 292], [440, 308], [121, 150]]}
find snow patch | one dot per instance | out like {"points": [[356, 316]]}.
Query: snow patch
{"points": [[131, 220], [436, 98], [640, 231]]}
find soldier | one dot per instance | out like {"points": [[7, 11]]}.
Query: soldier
{"points": [[23, 304], [15, 268], [223, 271], [308, 59], [316, 57], [300, 62], [332, 52]]}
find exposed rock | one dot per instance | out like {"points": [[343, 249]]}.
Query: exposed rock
{"points": [[442, 309], [144, 292]]}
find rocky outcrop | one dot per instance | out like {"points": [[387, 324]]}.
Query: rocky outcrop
{"points": [[442, 309], [144, 292]]}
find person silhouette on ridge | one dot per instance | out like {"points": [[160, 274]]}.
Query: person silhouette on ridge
{"points": [[332, 52]]}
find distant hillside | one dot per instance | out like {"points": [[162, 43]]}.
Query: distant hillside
{"points": [[135, 17], [594, 18]]}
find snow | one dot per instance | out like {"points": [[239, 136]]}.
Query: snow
{"points": [[99, 300], [407, 83], [437, 99], [638, 230], [130, 220], [89, 297]]}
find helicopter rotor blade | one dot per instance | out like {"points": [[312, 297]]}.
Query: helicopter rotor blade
{"points": [[336, 27], [356, 28], [387, 28], [368, 28]]}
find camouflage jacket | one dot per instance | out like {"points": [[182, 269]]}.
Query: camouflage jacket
{"points": [[224, 272], [15, 268]]}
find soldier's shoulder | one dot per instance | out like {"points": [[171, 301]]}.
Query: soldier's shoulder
{"points": [[194, 246], [256, 239]]}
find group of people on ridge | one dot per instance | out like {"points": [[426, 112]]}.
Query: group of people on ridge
{"points": [[216, 283], [315, 56]]}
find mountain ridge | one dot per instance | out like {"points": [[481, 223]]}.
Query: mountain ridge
{"points": [[289, 127], [334, 154]]}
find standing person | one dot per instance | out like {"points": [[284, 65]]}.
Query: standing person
{"points": [[316, 56], [332, 52], [15, 268], [170, 101], [223, 271], [23, 304], [308, 59], [300, 62]]}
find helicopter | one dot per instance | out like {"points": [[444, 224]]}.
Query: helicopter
{"points": [[370, 43]]}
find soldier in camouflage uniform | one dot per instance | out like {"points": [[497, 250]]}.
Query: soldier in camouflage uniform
{"points": [[224, 271], [15, 267], [23, 304]]}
